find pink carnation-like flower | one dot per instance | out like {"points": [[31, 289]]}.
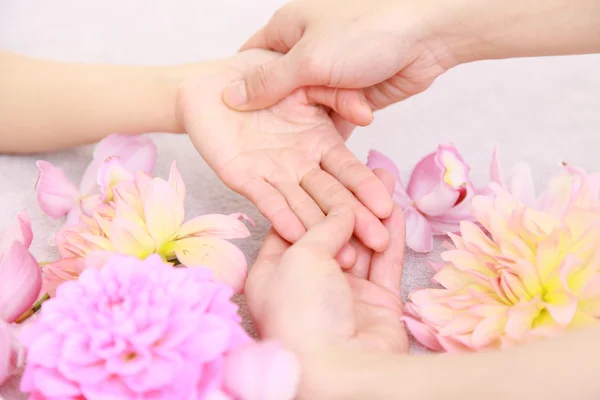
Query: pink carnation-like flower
{"points": [[133, 330], [536, 275]]}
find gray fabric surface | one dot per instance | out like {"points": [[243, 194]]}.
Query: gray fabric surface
{"points": [[543, 111]]}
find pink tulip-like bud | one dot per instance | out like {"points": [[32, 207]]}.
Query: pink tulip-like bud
{"points": [[20, 277], [56, 195]]}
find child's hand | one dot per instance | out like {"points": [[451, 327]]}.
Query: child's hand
{"points": [[289, 159]]}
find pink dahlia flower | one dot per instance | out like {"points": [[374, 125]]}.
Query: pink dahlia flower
{"points": [[133, 330]]}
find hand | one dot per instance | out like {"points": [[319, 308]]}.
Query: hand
{"points": [[289, 159], [299, 294], [387, 47]]}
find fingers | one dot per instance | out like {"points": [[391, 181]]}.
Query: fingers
{"points": [[329, 193], [266, 84], [272, 204], [386, 267], [329, 236], [356, 176], [349, 104], [309, 213], [386, 177], [343, 126]]}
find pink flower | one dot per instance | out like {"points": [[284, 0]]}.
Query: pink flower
{"points": [[146, 217], [57, 196], [12, 354], [571, 188], [65, 269], [437, 198], [20, 277], [536, 275], [133, 329]]}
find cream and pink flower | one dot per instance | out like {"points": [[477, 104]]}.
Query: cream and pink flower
{"points": [[536, 275], [143, 329], [437, 198], [146, 216], [58, 196]]}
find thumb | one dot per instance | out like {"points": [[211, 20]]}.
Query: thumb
{"points": [[330, 235], [264, 86]]}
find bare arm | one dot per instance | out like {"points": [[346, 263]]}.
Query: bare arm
{"points": [[555, 369], [48, 105]]}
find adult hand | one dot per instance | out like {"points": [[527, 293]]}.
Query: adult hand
{"points": [[299, 294], [387, 47], [289, 159]]}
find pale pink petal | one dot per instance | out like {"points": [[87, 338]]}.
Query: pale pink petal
{"points": [[522, 186], [56, 195], [561, 306], [377, 160], [5, 351], [17, 231], [111, 172], [438, 201], [176, 182], [63, 270], [262, 371], [136, 152], [426, 175], [20, 282], [418, 231], [216, 225], [164, 212], [422, 333], [496, 174], [226, 260]]}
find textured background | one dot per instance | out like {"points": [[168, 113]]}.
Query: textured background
{"points": [[539, 110]]}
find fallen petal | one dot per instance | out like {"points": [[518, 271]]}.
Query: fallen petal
{"points": [[56, 195]]}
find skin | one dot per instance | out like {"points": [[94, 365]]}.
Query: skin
{"points": [[288, 159]]}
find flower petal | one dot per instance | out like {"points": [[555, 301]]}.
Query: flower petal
{"points": [[5, 350], [63, 270], [18, 231], [422, 333], [127, 237], [136, 152], [377, 160], [20, 282], [215, 225], [496, 174], [164, 212], [522, 186], [110, 173], [418, 231], [56, 195], [176, 182], [226, 260]]}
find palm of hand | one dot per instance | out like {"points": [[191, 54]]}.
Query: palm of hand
{"points": [[298, 295], [289, 159]]}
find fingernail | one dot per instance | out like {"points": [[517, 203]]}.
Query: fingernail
{"points": [[235, 95]]}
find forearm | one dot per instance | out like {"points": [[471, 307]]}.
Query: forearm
{"points": [[48, 105], [554, 369], [491, 29]]}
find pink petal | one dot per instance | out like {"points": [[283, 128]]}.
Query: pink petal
{"points": [[522, 186], [110, 173], [176, 182], [5, 351], [18, 231], [377, 160], [261, 371], [20, 282], [496, 174], [63, 270], [418, 231], [226, 260], [136, 152], [438, 201], [216, 225], [164, 212], [422, 333], [56, 195]]}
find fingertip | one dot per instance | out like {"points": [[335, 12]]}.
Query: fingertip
{"points": [[347, 257], [371, 231], [288, 226]]}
